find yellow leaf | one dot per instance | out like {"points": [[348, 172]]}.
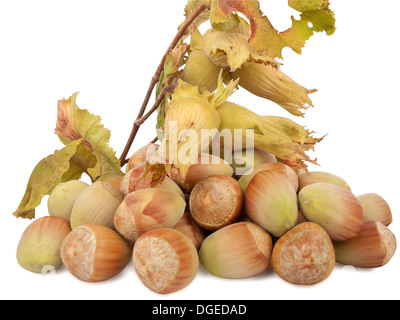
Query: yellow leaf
{"points": [[316, 16], [46, 175], [74, 123]]}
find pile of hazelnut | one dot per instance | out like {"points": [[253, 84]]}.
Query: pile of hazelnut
{"points": [[300, 223]]}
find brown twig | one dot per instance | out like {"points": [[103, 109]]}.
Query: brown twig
{"points": [[160, 99], [156, 78], [154, 140]]}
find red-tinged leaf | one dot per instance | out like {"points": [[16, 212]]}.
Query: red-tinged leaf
{"points": [[74, 123], [316, 16]]}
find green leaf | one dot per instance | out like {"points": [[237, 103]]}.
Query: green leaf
{"points": [[264, 37], [317, 12], [48, 173], [80, 163], [74, 124]]}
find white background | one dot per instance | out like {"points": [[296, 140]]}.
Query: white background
{"points": [[109, 50]]}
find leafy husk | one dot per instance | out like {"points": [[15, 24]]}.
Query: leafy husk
{"points": [[191, 111], [284, 138]]}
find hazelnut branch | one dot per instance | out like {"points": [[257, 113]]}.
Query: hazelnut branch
{"points": [[156, 78], [160, 98]]}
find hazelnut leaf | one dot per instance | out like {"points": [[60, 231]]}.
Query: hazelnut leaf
{"points": [[191, 7], [74, 123], [48, 173], [316, 16]]}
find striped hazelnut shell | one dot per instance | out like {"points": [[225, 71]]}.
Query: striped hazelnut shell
{"points": [[147, 209], [311, 177], [165, 260], [271, 202], [96, 205], [39, 246], [240, 250], [376, 208], [188, 227], [304, 255], [334, 208], [94, 253], [373, 247]]}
